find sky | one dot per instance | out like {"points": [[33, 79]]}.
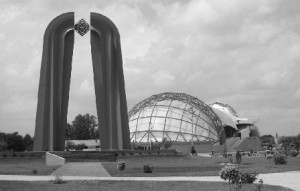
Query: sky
{"points": [[242, 53]]}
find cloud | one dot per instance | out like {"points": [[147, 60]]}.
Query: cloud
{"points": [[243, 53]]}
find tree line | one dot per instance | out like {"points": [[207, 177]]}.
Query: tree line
{"points": [[83, 127], [15, 142], [287, 142]]}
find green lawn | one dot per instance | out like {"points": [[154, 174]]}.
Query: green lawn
{"points": [[25, 166], [163, 166], [195, 166], [126, 185]]}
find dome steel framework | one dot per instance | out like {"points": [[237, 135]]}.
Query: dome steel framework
{"points": [[175, 116]]}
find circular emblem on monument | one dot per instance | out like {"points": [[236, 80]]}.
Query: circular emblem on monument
{"points": [[82, 27]]}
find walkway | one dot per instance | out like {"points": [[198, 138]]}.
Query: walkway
{"points": [[94, 169], [286, 179]]}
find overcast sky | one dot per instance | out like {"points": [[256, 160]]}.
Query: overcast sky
{"points": [[242, 53]]}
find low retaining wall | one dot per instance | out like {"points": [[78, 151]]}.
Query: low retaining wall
{"points": [[54, 160]]}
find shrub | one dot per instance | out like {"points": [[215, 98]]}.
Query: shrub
{"points": [[166, 143], [70, 145], [280, 159], [248, 178], [34, 171], [58, 180], [193, 150], [22, 155], [14, 154], [148, 169], [260, 185], [293, 153], [80, 147], [231, 173], [121, 165], [4, 155]]}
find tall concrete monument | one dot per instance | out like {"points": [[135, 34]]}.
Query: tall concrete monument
{"points": [[54, 86]]}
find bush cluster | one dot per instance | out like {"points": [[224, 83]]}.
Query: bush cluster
{"points": [[231, 173], [148, 169], [280, 158], [121, 165], [248, 178], [72, 146], [235, 176], [293, 153]]}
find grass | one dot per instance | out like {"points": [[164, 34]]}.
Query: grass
{"points": [[25, 166], [194, 166], [163, 166], [127, 185]]}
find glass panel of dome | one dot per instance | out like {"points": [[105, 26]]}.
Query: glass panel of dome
{"points": [[135, 116], [157, 120], [143, 127], [185, 127], [195, 138], [143, 124], [172, 135], [138, 136], [197, 112], [157, 135], [145, 119], [132, 122], [175, 113], [158, 126], [180, 138], [144, 138], [157, 111], [147, 111], [164, 102], [175, 122], [152, 137], [186, 118], [178, 104], [199, 122], [202, 138], [199, 130], [205, 133], [132, 126], [161, 111], [188, 137], [205, 118]]}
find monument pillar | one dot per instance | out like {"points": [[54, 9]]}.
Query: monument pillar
{"points": [[54, 86]]}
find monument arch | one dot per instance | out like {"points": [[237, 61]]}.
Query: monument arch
{"points": [[54, 85]]}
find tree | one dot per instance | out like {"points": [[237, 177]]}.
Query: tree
{"points": [[28, 142], [290, 142], [254, 132], [70, 132], [15, 142], [3, 145], [166, 143], [83, 127], [267, 139]]}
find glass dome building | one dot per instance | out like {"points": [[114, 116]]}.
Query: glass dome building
{"points": [[174, 116]]}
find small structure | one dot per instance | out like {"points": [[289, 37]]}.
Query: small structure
{"points": [[92, 144]]}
